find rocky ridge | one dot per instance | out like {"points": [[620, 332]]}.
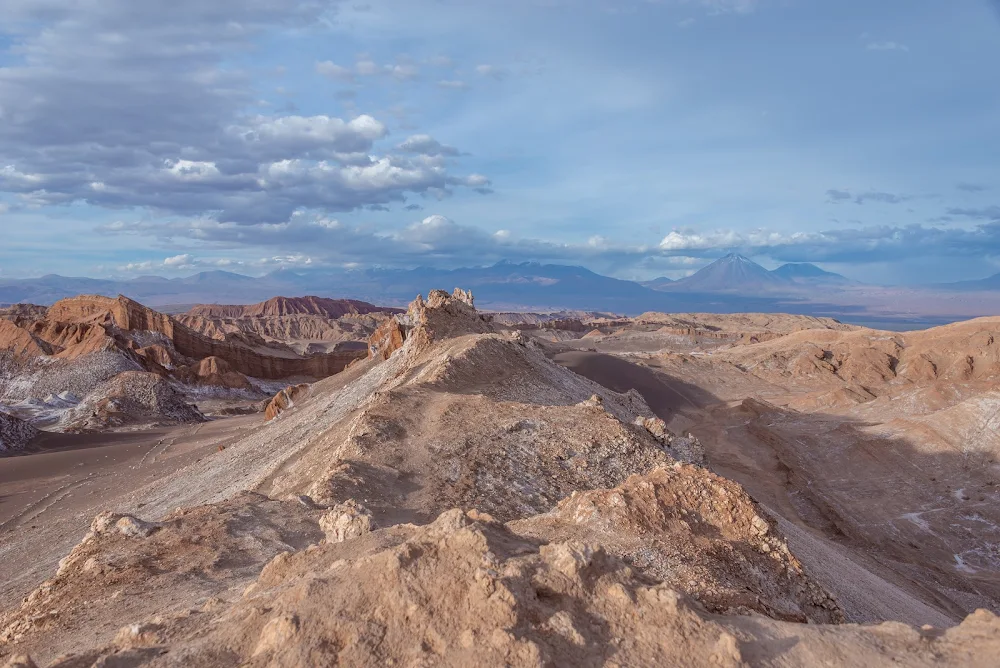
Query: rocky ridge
{"points": [[458, 499], [78, 346]]}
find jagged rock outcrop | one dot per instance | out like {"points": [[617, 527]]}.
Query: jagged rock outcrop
{"points": [[82, 325], [284, 400], [20, 342], [387, 339], [444, 316]]}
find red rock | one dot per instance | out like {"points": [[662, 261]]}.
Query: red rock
{"points": [[285, 400]]}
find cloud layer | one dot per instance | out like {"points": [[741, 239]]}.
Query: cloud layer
{"points": [[121, 104]]}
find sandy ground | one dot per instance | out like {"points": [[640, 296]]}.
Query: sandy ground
{"points": [[664, 395], [49, 496]]}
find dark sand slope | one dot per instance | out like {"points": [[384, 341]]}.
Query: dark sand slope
{"points": [[50, 494], [664, 395]]}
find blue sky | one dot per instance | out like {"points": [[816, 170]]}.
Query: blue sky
{"points": [[638, 138]]}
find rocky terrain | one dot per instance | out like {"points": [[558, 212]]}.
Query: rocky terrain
{"points": [[90, 363], [668, 490], [307, 325], [14, 433]]}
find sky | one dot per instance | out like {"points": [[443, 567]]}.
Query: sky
{"points": [[638, 138]]}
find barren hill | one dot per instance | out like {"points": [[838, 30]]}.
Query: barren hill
{"points": [[69, 354], [285, 306], [307, 325], [460, 498]]}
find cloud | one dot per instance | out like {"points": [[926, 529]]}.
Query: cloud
{"points": [[185, 262], [436, 240], [426, 145], [133, 105], [332, 70], [491, 71], [835, 196], [883, 198], [886, 46], [441, 61], [984, 213], [178, 261], [366, 67], [881, 243], [972, 187], [452, 84]]}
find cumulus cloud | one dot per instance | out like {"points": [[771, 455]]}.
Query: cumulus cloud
{"points": [[130, 105], [436, 240], [185, 262], [880, 243]]}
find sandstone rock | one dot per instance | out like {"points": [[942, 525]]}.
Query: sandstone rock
{"points": [[284, 400], [387, 339], [286, 306], [346, 521], [85, 324], [126, 525]]}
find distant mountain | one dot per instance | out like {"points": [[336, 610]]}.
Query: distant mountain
{"points": [[504, 286], [732, 273], [225, 277], [804, 272], [990, 283], [154, 290], [656, 283]]}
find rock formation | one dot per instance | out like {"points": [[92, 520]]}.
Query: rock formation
{"points": [[284, 400], [14, 433], [285, 306], [461, 499], [78, 344]]}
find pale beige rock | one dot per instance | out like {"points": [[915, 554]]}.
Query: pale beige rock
{"points": [[346, 521]]}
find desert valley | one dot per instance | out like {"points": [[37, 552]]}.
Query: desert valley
{"points": [[311, 481]]}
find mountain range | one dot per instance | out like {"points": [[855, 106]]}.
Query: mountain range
{"points": [[731, 284]]}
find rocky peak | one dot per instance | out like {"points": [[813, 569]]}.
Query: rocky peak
{"points": [[445, 316], [440, 316]]}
